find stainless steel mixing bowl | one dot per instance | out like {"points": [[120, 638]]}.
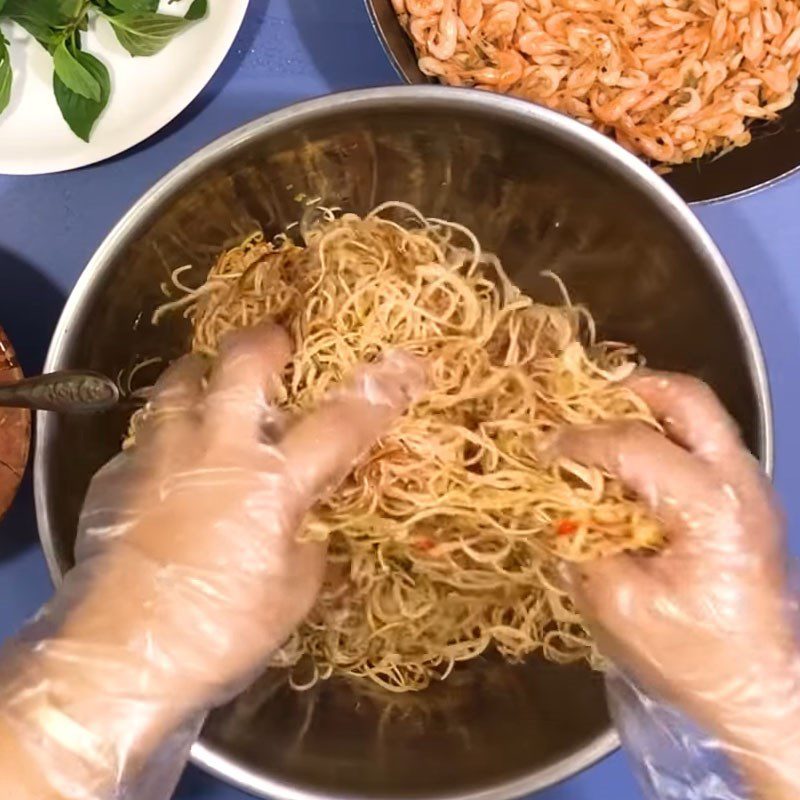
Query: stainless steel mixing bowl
{"points": [[544, 192]]}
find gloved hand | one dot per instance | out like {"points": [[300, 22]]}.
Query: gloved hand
{"points": [[707, 625], [190, 571]]}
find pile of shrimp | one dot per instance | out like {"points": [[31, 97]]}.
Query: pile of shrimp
{"points": [[671, 80]]}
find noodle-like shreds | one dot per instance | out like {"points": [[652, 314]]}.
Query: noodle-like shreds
{"points": [[671, 80], [446, 539]]}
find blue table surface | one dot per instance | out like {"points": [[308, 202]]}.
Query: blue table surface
{"points": [[288, 51]]}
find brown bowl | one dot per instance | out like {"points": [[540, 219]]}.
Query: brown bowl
{"points": [[15, 430]]}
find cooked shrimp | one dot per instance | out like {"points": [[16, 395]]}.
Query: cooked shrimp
{"points": [[424, 8], [507, 70], [442, 43], [500, 21], [471, 12], [420, 29]]}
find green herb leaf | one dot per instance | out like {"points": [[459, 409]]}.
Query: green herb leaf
{"points": [[2, 3], [146, 34], [40, 18], [70, 8], [76, 77], [80, 112], [6, 75], [146, 6], [47, 37], [197, 10], [42, 13]]}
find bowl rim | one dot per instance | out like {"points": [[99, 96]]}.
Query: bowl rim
{"points": [[402, 73], [537, 118]]}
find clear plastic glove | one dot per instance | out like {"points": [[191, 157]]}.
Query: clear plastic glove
{"points": [[708, 625], [190, 571]]}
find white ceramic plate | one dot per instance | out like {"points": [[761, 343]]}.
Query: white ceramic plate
{"points": [[146, 93]]}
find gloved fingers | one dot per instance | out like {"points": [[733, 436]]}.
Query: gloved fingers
{"points": [[244, 381], [109, 492], [180, 385], [596, 585], [678, 487], [175, 398], [323, 447], [692, 415]]}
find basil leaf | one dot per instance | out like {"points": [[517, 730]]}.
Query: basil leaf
{"points": [[40, 18], [147, 6], [2, 3], [47, 37], [42, 13], [74, 75], [80, 112], [6, 75], [70, 8], [197, 10], [145, 34]]}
